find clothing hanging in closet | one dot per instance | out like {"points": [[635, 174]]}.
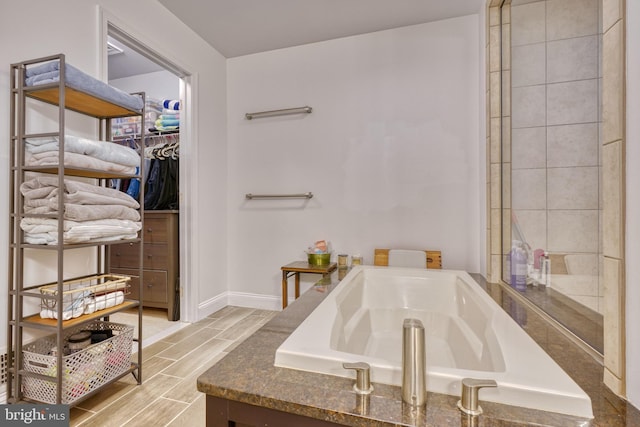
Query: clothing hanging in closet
{"points": [[161, 185], [161, 171]]}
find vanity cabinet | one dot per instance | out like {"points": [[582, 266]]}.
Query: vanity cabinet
{"points": [[160, 261], [225, 413]]}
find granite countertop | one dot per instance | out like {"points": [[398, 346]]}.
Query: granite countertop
{"points": [[247, 375]]}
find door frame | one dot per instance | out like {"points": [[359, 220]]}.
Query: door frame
{"points": [[110, 25]]}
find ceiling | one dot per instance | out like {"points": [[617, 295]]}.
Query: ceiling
{"points": [[242, 27], [128, 62]]}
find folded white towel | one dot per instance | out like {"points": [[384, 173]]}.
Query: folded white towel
{"points": [[103, 150]]}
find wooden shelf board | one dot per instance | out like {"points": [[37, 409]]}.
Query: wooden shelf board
{"points": [[75, 245], [81, 172], [81, 102], [53, 323]]}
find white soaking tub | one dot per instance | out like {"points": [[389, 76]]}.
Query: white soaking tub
{"points": [[467, 335]]}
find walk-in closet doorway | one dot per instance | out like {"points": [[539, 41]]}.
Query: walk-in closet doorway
{"points": [[155, 324]]}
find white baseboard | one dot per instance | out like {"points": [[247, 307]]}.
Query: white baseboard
{"points": [[212, 305], [263, 302], [239, 299]]}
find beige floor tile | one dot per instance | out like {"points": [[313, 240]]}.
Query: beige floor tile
{"points": [[108, 395], [187, 389], [154, 366], [222, 312], [153, 349], [204, 322], [194, 416], [154, 321], [128, 406], [231, 318], [248, 324], [78, 415], [158, 413], [201, 356], [186, 345], [183, 333]]}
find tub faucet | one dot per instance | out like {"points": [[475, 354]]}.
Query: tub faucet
{"points": [[468, 402], [363, 377], [414, 375]]}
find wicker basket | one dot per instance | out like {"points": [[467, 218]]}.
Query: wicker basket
{"points": [[83, 371]]}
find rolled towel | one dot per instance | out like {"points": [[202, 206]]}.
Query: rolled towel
{"points": [[109, 300], [171, 104], [90, 306], [101, 303], [46, 313]]}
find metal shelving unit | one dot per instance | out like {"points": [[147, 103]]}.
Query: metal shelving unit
{"points": [[22, 295]]}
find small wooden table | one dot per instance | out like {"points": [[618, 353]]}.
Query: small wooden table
{"points": [[297, 267]]}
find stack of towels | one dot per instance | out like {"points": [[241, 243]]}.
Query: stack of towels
{"points": [[81, 152], [169, 120], [91, 213]]}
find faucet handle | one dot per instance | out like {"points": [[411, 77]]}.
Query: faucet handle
{"points": [[468, 402], [363, 378]]}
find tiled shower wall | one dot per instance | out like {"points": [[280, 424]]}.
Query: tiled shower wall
{"points": [[555, 121], [613, 169]]}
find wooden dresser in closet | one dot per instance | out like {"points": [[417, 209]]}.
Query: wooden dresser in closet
{"points": [[161, 267]]}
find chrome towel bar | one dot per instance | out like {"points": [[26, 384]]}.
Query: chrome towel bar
{"points": [[284, 112], [307, 195]]}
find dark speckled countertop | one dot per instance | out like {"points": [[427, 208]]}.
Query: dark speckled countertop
{"points": [[248, 375]]}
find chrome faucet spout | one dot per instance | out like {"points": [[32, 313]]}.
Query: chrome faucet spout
{"points": [[414, 391]]}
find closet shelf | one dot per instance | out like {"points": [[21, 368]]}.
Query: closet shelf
{"points": [[147, 135]]}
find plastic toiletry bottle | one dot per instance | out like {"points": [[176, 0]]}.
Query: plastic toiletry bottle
{"points": [[518, 267], [546, 270]]}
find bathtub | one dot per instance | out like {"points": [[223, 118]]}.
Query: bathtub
{"points": [[467, 335]]}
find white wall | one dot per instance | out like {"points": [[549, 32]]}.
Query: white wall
{"points": [[391, 151], [157, 85], [54, 30], [633, 204]]}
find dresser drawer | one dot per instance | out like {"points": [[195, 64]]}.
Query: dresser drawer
{"points": [[124, 255], [155, 287], [155, 257], [160, 261], [156, 229]]}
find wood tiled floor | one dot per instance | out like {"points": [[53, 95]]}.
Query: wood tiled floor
{"points": [[170, 367]]}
